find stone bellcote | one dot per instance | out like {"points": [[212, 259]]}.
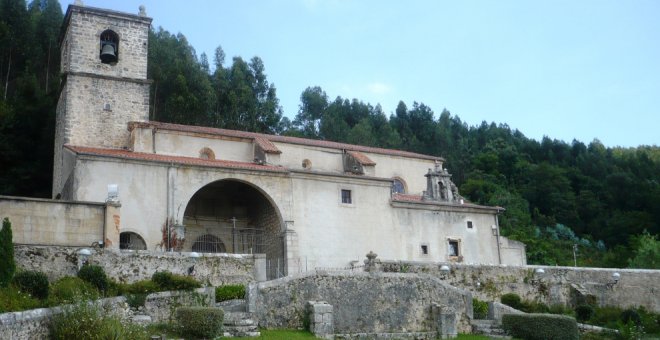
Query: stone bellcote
{"points": [[439, 186]]}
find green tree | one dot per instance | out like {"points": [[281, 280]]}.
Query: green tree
{"points": [[7, 262], [647, 254]]}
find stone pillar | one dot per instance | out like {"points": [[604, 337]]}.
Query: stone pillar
{"points": [[260, 272], [292, 253], [445, 320], [112, 224], [321, 322]]}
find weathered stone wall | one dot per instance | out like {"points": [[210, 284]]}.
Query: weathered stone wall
{"points": [[362, 302], [558, 285], [130, 266], [49, 222], [33, 324]]}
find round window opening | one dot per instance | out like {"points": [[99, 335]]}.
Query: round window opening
{"points": [[206, 153], [307, 164]]}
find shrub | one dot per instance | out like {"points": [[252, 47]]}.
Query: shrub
{"points": [[7, 262], [540, 326], [560, 308], [511, 300], [480, 309], [201, 322], [631, 315], [534, 307], [94, 275], [70, 289], [87, 321], [33, 282], [141, 287], [229, 292], [136, 300], [169, 281], [607, 316], [13, 300], [584, 312]]}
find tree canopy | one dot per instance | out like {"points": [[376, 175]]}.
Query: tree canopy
{"points": [[556, 194]]}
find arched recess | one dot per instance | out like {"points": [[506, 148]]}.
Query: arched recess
{"points": [[239, 218], [132, 241]]}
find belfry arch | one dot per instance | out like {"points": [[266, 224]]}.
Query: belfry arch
{"points": [[235, 217]]}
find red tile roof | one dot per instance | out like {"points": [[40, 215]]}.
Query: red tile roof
{"points": [[126, 154], [419, 199], [361, 158], [406, 197], [275, 138], [266, 145]]}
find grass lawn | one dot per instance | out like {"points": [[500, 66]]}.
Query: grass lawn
{"points": [[294, 335]]}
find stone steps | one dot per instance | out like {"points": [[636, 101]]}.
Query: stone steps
{"points": [[238, 322], [489, 328]]}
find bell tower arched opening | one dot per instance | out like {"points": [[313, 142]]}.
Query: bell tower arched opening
{"points": [[235, 217]]}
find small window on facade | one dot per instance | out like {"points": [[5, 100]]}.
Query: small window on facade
{"points": [[306, 164], [398, 187], [453, 248], [206, 153], [469, 224], [346, 196], [425, 249], [109, 53]]}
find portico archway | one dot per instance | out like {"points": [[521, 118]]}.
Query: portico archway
{"points": [[235, 217]]}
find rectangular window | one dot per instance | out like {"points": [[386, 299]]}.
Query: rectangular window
{"points": [[453, 248], [346, 196], [469, 224], [425, 249]]}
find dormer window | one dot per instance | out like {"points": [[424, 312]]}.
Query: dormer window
{"points": [[109, 52]]}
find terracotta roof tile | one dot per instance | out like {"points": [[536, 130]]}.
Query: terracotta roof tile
{"points": [[280, 139], [361, 158], [406, 197], [266, 145], [125, 154]]}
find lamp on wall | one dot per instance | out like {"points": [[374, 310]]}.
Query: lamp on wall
{"points": [[538, 274], [615, 280], [444, 271], [113, 192], [194, 256], [493, 228], [83, 255]]}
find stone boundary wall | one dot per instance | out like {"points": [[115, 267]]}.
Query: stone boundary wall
{"points": [[33, 324], [558, 285], [130, 265], [365, 303], [53, 222]]}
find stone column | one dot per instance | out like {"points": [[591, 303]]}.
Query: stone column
{"points": [[292, 252], [112, 224], [321, 322], [445, 321]]}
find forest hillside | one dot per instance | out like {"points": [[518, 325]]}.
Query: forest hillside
{"points": [[561, 197]]}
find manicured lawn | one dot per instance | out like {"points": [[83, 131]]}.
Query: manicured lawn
{"points": [[282, 334]]}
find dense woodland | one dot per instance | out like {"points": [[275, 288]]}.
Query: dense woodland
{"points": [[559, 196]]}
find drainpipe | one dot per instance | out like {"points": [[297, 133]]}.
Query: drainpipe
{"points": [[497, 234]]}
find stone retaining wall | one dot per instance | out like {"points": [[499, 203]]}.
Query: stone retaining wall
{"points": [[33, 324], [362, 302], [130, 265], [636, 287]]}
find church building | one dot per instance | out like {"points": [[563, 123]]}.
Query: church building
{"points": [[304, 203]]}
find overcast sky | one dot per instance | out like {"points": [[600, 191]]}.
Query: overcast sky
{"points": [[565, 69]]}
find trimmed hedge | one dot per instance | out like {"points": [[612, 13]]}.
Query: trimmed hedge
{"points": [[33, 282], [169, 281], [200, 322], [229, 292], [540, 326]]}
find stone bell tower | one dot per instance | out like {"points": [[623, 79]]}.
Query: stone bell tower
{"points": [[104, 81], [439, 186]]}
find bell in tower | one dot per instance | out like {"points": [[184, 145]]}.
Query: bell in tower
{"points": [[109, 47]]}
